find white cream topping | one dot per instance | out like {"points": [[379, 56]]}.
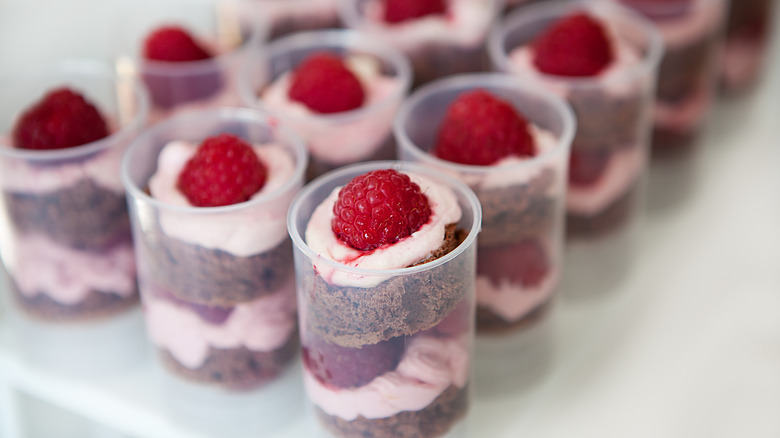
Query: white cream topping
{"points": [[624, 168], [321, 239], [512, 301], [429, 366], [243, 232], [263, 325], [344, 141]]}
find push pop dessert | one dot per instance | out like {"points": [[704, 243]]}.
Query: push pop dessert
{"points": [[385, 275], [69, 253], [747, 38]]}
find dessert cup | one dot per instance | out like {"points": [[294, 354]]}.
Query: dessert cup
{"points": [[222, 27], [420, 318], [613, 108], [692, 31], [217, 283], [334, 139], [747, 37], [523, 200], [436, 45], [290, 16]]}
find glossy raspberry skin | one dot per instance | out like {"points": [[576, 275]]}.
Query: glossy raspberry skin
{"points": [[225, 170], [173, 44], [397, 11], [62, 119], [586, 167], [325, 85], [377, 208], [480, 129], [575, 46], [344, 367]]}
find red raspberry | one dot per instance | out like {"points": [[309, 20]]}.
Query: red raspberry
{"points": [[397, 11], [344, 367], [224, 171], [525, 263], [377, 208], [586, 167], [173, 44], [574, 46], [62, 119], [324, 84], [480, 129]]}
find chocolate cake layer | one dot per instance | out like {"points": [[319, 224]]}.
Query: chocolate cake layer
{"points": [[610, 219], [608, 121], [96, 305], [683, 68], [435, 420], [489, 322], [289, 25], [435, 61]]}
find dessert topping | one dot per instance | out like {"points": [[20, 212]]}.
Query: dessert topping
{"points": [[324, 84], [377, 208], [481, 129], [225, 170], [62, 119], [397, 11], [587, 167], [576, 45], [173, 44], [345, 367]]}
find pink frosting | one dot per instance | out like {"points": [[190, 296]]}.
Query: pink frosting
{"points": [[512, 301], [623, 170], [429, 366], [742, 61], [273, 11]]}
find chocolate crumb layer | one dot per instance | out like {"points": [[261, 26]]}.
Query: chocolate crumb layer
{"points": [[434, 61], [433, 421], [683, 68], [609, 220], [606, 121], [489, 322], [96, 305]]}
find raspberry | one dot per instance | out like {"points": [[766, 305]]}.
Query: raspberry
{"points": [[344, 367], [480, 129], [397, 11], [62, 119], [325, 85], [525, 262], [574, 46], [173, 44], [586, 167], [377, 208], [224, 171]]}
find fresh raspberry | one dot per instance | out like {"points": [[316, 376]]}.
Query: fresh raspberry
{"points": [[576, 45], [344, 367], [225, 170], [325, 85], [525, 262], [377, 208], [173, 44], [586, 167], [62, 119], [397, 11], [481, 129]]}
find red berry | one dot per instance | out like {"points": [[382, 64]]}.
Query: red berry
{"points": [[481, 129], [173, 44], [225, 170], [325, 85], [377, 208], [525, 263], [574, 46], [344, 367], [62, 119], [397, 11], [586, 167]]}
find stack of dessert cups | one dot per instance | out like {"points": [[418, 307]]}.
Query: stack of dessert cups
{"points": [[448, 42], [217, 282], [338, 138], [66, 243], [386, 332], [221, 29], [748, 33], [290, 16]]}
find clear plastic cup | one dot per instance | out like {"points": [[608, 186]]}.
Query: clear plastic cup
{"points": [[222, 27], [393, 345], [614, 110], [217, 283], [437, 45], [692, 31], [748, 33], [523, 201], [335, 139], [290, 16]]}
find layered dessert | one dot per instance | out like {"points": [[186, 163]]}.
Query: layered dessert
{"points": [[747, 37], [289, 16], [69, 253], [218, 285], [441, 37], [387, 355]]}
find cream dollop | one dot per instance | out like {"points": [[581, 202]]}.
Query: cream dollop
{"points": [[624, 168]]}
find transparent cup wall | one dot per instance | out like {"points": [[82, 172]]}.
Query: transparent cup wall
{"points": [[335, 139], [222, 27], [748, 33], [614, 112], [285, 17], [217, 283], [386, 351], [66, 242], [523, 204], [437, 46]]}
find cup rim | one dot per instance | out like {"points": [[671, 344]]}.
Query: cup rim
{"points": [[85, 68], [297, 235], [236, 114], [503, 80]]}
